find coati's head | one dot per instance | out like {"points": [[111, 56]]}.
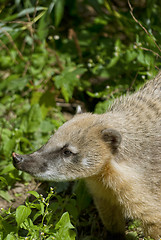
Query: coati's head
{"points": [[80, 148]]}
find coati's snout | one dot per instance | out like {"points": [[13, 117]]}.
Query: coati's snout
{"points": [[30, 163], [16, 159]]}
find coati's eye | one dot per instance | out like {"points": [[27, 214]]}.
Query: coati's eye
{"points": [[67, 152]]}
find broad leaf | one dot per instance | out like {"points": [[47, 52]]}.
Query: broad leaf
{"points": [[22, 212]]}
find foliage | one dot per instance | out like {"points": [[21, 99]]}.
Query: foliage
{"points": [[59, 53], [25, 221]]}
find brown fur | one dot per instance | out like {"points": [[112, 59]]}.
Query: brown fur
{"points": [[118, 155]]}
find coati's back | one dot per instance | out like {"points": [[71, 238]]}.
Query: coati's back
{"points": [[149, 96], [141, 130], [153, 87]]}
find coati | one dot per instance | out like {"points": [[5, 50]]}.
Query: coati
{"points": [[118, 154]]}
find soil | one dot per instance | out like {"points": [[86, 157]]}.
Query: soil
{"points": [[18, 194]]}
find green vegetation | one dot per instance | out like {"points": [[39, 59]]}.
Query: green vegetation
{"points": [[42, 230], [54, 56]]}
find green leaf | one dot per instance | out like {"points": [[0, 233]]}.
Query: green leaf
{"points": [[149, 59], [35, 97], [59, 10], [64, 227], [68, 80], [35, 194], [8, 168], [6, 195], [28, 224], [8, 146], [43, 28], [2, 109], [22, 212], [95, 95], [1, 234], [113, 61], [46, 126], [38, 214], [141, 57], [67, 92], [42, 207], [24, 12], [117, 54], [131, 55], [7, 226], [34, 118], [14, 82], [3, 180], [102, 107], [10, 237], [64, 222], [47, 102]]}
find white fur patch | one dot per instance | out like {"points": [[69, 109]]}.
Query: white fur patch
{"points": [[85, 162], [50, 175], [73, 149]]}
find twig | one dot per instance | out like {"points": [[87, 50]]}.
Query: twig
{"points": [[131, 12], [73, 35], [35, 10], [57, 58], [18, 21], [4, 46], [157, 68], [149, 50], [31, 30], [133, 81], [33, 27], [26, 68], [7, 49], [13, 44]]}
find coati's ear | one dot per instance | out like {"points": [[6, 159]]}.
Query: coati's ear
{"points": [[113, 137], [79, 109]]}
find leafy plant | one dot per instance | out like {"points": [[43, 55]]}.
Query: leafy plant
{"points": [[26, 226]]}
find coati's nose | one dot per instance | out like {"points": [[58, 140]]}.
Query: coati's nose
{"points": [[17, 158]]}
